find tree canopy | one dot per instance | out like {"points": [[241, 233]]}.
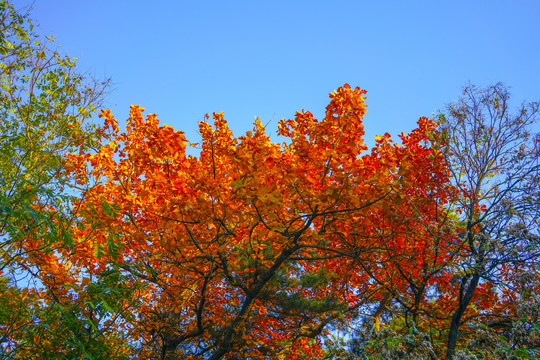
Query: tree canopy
{"points": [[138, 243], [253, 248], [45, 105]]}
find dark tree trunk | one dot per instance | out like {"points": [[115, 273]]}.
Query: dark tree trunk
{"points": [[464, 301]]}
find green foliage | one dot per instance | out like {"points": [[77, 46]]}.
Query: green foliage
{"points": [[60, 330], [45, 104], [45, 107]]}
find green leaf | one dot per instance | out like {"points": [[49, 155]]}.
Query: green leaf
{"points": [[106, 306], [93, 324], [108, 209]]}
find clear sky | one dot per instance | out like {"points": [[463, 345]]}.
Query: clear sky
{"points": [[182, 59]]}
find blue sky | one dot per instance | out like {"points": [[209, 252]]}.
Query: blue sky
{"points": [[182, 59]]}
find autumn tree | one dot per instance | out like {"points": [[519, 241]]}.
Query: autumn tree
{"points": [[418, 245], [493, 155], [477, 296], [252, 249]]}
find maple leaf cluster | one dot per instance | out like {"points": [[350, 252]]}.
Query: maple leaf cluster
{"points": [[255, 248]]}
